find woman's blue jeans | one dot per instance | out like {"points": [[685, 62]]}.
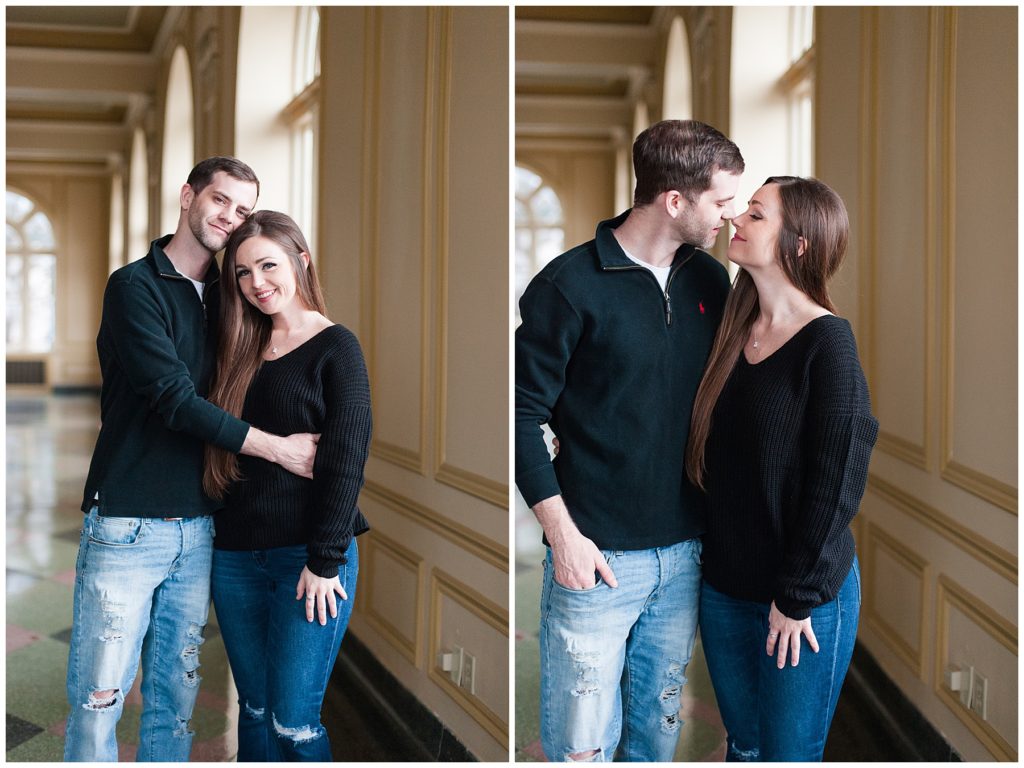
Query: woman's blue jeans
{"points": [[281, 662], [773, 714]]}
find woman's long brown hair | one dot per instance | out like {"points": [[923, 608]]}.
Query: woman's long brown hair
{"points": [[811, 210], [245, 331]]}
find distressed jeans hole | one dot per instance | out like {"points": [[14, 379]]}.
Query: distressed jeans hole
{"points": [[587, 756], [253, 713], [101, 700], [299, 735]]}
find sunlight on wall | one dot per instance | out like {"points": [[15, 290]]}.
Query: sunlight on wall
{"points": [[179, 141]]}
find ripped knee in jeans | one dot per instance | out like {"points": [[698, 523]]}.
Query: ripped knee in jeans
{"points": [[299, 735]]}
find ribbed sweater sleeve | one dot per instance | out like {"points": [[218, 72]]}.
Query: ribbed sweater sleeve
{"points": [[545, 342], [838, 437], [787, 457], [320, 387], [341, 455]]}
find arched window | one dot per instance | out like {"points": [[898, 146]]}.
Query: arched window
{"points": [[539, 228], [31, 277], [278, 91], [302, 115], [179, 141], [772, 92], [798, 84]]}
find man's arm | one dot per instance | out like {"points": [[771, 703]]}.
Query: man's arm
{"points": [[545, 342], [574, 555], [294, 452], [136, 328]]}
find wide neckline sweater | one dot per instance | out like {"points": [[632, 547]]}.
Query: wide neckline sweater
{"points": [[612, 363], [787, 463], [321, 386]]}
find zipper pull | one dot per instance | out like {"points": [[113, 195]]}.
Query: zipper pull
{"points": [[668, 309]]}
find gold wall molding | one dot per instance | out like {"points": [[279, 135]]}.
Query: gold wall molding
{"points": [[474, 484], [868, 172], [987, 487], [444, 585], [492, 491], [950, 594], [915, 453], [878, 539], [368, 188], [487, 549], [413, 459], [409, 647], [988, 552], [971, 480]]}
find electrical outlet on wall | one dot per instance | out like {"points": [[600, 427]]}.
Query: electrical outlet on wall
{"points": [[468, 680], [979, 695]]}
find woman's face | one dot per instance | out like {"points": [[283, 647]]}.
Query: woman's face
{"points": [[757, 229], [265, 275]]}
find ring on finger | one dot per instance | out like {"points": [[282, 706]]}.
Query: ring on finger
{"points": [[310, 598]]}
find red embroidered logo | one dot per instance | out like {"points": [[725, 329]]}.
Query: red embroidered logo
{"points": [[701, 305]]}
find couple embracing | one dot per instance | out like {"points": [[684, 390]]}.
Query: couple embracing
{"points": [[713, 447]]}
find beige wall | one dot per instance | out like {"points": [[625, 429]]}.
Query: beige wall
{"points": [[924, 151], [913, 132], [414, 223]]}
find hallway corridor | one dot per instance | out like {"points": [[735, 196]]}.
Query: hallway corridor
{"points": [[49, 444]]}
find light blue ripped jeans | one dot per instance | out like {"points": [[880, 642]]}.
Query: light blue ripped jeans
{"points": [[613, 661], [142, 586]]}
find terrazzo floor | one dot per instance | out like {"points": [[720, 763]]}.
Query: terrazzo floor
{"points": [[49, 442]]}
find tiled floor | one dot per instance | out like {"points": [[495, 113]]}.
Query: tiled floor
{"points": [[49, 444]]}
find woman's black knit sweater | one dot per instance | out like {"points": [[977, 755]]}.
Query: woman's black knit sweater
{"points": [[320, 387], [787, 463]]}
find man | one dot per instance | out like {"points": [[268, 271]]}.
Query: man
{"points": [[142, 582], [614, 339]]}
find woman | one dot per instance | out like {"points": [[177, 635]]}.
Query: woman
{"points": [[284, 367], [780, 439]]}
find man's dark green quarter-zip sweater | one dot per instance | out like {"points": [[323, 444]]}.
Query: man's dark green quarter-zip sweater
{"points": [[612, 363], [157, 347]]}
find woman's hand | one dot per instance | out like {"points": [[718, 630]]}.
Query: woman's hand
{"points": [[787, 633], [319, 594]]}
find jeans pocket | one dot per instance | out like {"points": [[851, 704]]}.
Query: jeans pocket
{"points": [[609, 556], [116, 531]]}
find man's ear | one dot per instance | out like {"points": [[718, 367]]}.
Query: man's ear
{"points": [[186, 196], [674, 203]]}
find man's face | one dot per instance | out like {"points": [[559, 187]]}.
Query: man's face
{"points": [[700, 221], [221, 206]]}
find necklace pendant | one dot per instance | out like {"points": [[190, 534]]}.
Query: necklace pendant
{"points": [[273, 350], [756, 344]]}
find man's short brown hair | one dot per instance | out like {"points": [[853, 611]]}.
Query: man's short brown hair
{"points": [[681, 155]]}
